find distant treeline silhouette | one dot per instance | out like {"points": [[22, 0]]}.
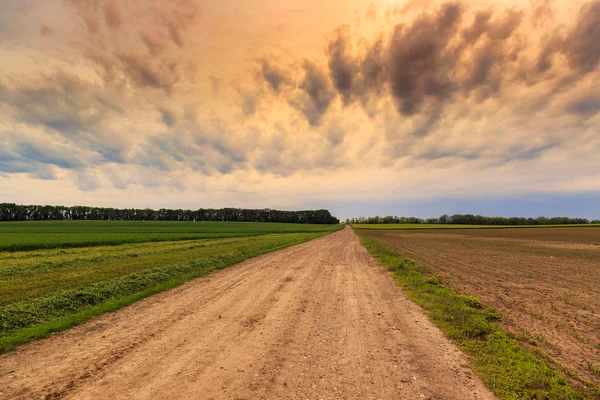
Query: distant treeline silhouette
{"points": [[470, 219], [16, 212]]}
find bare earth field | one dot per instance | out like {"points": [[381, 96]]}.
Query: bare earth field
{"points": [[545, 282], [320, 320]]}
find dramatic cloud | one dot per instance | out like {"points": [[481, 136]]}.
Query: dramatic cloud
{"points": [[61, 102], [134, 43], [168, 116], [431, 60], [68, 106], [587, 106], [446, 55], [581, 45], [341, 64], [315, 93], [373, 99], [24, 152], [275, 75], [420, 60], [132, 48]]}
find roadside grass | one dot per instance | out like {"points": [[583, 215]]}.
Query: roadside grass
{"points": [[34, 235], [84, 226], [20, 241], [507, 368], [59, 307], [458, 226], [27, 275]]}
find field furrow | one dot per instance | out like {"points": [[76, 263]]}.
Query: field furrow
{"points": [[545, 282]]}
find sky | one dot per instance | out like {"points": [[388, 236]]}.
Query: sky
{"points": [[362, 107]]}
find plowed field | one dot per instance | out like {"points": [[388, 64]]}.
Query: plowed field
{"points": [[545, 282]]}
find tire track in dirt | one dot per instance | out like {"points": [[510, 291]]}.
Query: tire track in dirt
{"points": [[320, 320]]}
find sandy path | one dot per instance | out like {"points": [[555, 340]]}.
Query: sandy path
{"points": [[320, 320]]}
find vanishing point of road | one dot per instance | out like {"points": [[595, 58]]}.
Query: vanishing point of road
{"points": [[320, 320]]}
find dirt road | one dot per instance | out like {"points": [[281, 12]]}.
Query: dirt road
{"points": [[320, 320]]}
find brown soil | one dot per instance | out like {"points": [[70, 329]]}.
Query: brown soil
{"points": [[320, 320], [546, 282]]}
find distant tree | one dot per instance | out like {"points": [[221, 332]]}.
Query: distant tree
{"points": [[14, 212], [471, 219]]}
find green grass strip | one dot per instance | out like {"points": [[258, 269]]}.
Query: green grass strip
{"points": [[508, 369], [40, 317], [20, 242], [38, 235]]}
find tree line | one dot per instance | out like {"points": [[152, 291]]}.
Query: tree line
{"points": [[17, 212], [470, 219]]}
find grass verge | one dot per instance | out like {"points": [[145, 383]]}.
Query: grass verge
{"points": [[40, 317], [508, 369], [21, 242]]}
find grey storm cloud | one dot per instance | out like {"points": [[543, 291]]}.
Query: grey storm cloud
{"points": [[492, 53], [443, 55], [342, 65], [408, 77], [134, 48], [72, 108], [582, 45], [12, 162], [275, 75], [61, 102], [373, 73], [138, 44], [168, 116], [143, 73], [48, 155], [587, 106], [20, 154], [212, 146], [516, 152], [316, 93], [112, 14], [420, 61], [527, 152], [335, 134], [250, 102], [440, 154]]}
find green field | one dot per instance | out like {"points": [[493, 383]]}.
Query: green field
{"points": [[62, 279], [458, 226], [32, 235]]}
